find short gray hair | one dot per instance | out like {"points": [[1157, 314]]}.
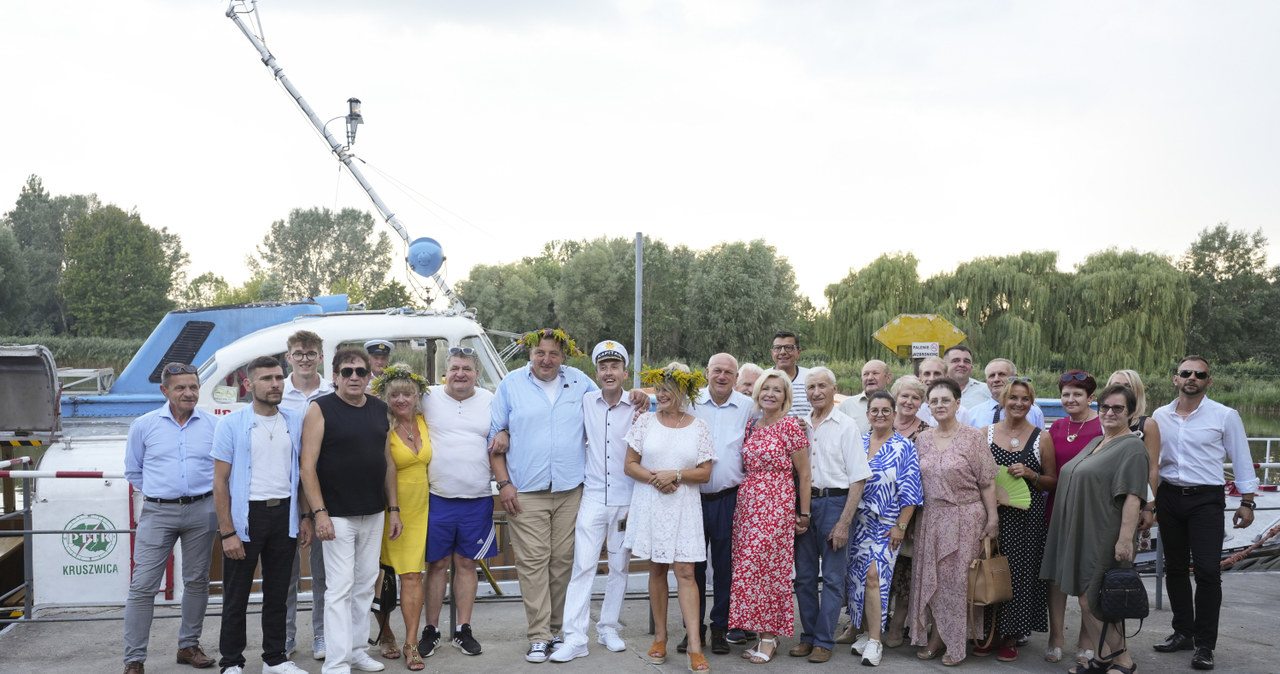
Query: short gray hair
{"points": [[750, 368], [911, 382], [820, 371]]}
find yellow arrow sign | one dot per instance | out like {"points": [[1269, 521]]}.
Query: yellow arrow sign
{"points": [[922, 330]]}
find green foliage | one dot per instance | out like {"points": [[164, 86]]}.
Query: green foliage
{"points": [[393, 294], [90, 352], [739, 295], [204, 290], [259, 288], [865, 300], [512, 297], [13, 281], [1236, 297], [118, 277], [316, 250]]}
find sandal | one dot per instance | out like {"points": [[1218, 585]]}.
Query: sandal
{"points": [[947, 661], [698, 663], [759, 657], [1122, 669], [926, 654], [387, 646], [1053, 654], [412, 659], [1093, 666], [658, 652]]}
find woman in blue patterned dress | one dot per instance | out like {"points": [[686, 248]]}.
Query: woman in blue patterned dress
{"points": [[888, 501]]}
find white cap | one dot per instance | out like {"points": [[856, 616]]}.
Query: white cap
{"points": [[379, 347], [610, 349]]}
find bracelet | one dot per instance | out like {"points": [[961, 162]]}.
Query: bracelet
{"points": [[1248, 504], [1148, 509], [317, 511], [679, 478], [804, 515], [228, 535], [1036, 481], [393, 509], [308, 516]]}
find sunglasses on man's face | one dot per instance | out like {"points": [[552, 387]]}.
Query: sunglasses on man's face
{"points": [[1198, 374], [360, 372]]}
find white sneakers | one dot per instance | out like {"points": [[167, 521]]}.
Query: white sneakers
{"points": [[317, 648], [861, 644], [360, 660], [237, 669], [871, 654], [567, 652], [286, 667], [611, 641], [537, 652]]}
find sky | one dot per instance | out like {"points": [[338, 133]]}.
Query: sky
{"points": [[834, 130]]}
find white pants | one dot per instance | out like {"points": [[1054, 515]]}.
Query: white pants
{"points": [[351, 571], [597, 524]]}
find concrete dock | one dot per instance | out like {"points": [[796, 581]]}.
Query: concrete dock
{"points": [[1250, 629]]}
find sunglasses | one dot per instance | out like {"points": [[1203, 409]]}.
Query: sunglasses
{"points": [[1074, 376], [1198, 374], [180, 369], [360, 372], [1119, 410], [464, 350], [1012, 380]]}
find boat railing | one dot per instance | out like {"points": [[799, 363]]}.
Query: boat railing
{"points": [[1267, 456]]}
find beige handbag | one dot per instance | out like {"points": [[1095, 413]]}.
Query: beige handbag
{"points": [[989, 582]]}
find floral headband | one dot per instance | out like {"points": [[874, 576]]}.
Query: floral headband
{"points": [[393, 372], [689, 383], [531, 340]]}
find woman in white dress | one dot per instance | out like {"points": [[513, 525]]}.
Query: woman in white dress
{"points": [[670, 452]]}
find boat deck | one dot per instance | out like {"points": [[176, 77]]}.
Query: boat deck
{"points": [[1245, 644]]}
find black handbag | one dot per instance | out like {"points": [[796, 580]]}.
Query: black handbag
{"points": [[1122, 596]]}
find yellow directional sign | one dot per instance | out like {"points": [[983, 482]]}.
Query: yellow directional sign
{"points": [[919, 334]]}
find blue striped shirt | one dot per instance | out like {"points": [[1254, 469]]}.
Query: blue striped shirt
{"points": [[233, 444], [165, 460], [548, 442]]}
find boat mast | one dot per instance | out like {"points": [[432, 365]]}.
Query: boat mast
{"points": [[425, 255]]}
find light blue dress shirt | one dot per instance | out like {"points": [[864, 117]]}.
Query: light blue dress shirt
{"points": [[728, 424], [233, 444], [165, 460], [548, 440]]}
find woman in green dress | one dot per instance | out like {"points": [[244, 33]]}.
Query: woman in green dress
{"points": [[1095, 528]]}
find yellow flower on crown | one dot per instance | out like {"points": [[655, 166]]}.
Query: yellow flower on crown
{"points": [[531, 340], [379, 384], [689, 383]]}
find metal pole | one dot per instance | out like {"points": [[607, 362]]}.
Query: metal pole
{"points": [[636, 358], [1159, 572], [28, 546]]}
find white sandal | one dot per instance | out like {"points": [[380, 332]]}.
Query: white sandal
{"points": [[763, 657]]}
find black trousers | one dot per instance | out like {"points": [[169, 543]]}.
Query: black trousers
{"points": [[1192, 526], [269, 541]]}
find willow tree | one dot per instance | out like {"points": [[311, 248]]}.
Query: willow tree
{"points": [[1006, 305], [864, 301], [1129, 310]]}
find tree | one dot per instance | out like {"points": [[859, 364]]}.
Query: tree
{"points": [[595, 297], [864, 301], [739, 294], [1233, 288], [259, 288], [40, 223], [393, 294], [118, 276], [204, 290], [13, 282], [315, 249], [512, 297]]}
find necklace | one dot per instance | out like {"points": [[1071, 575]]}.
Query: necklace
{"points": [[1013, 439], [407, 434], [1071, 437], [678, 421], [271, 430]]}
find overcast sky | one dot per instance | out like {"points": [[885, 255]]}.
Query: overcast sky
{"points": [[834, 130]]}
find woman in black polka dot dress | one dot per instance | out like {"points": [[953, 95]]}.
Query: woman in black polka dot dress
{"points": [[1028, 453]]}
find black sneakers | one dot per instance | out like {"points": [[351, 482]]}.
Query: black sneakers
{"points": [[429, 642], [463, 640]]}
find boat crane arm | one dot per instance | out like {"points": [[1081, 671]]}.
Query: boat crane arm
{"points": [[425, 255]]}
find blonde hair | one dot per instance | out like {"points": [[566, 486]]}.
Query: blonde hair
{"points": [[786, 387], [1139, 392], [1008, 386], [670, 385], [908, 381], [398, 384]]}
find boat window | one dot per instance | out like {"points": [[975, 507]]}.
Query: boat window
{"points": [[491, 370], [234, 388], [424, 355]]}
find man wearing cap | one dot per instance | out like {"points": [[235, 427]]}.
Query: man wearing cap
{"points": [[305, 352], [606, 497], [379, 355], [167, 459]]}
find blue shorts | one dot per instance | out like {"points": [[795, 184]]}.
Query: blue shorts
{"points": [[460, 525]]}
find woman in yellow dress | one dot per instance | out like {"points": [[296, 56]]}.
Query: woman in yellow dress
{"points": [[402, 390]]}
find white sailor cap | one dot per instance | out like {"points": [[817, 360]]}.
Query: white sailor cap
{"points": [[610, 349], [378, 347]]}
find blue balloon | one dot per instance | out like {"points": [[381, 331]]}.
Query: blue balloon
{"points": [[425, 256]]}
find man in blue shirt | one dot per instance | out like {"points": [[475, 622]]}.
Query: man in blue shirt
{"points": [[167, 459], [255, 495]]}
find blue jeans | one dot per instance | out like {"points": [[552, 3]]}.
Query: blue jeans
{"points": [[717, 528], [814, 558]]}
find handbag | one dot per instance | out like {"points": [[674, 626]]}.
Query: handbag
{"points": [[1121, 596], [989, 582]]}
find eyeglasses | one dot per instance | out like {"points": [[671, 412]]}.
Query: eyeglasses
{"points": [[360, 372], [1074, 376], [941, 403], [1198, 374], [307, 355], [180, 369], [782, 348], [880, 412], [1119, 410], [464, 350]]}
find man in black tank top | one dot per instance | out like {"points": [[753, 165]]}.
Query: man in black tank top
{"points": [[349, 479]]}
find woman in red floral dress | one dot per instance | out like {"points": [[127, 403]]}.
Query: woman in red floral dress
{"points": [[765, 522]]}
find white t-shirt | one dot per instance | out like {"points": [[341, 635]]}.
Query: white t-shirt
{"points": [[551, 388], [459, 432], [270, 456]]}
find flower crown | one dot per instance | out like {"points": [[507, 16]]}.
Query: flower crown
{"points": [[397, 372], [689, 383], [531, 340]]}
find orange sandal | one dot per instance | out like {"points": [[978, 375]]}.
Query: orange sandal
{"points": [[698, 663], [658, 652]]}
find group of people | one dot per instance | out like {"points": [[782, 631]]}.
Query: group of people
{"points": [[874, 507]]}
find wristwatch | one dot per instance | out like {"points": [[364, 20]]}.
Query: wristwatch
{"points": [[679, 478], [902, 526], [226, 535], [503, 484], [1248, 504]]}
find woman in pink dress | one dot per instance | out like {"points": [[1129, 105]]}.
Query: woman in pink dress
{"points": [[765, 522], [958, 474]]}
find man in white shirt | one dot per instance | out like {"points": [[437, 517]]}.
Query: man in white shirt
{"points": [[606, 498], [785, 351], [460, 527], [839, 467], [305, 352], [989, 411], [1197, 435], [727, 412], [959, 360], [931, 370], [875, 377]]}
